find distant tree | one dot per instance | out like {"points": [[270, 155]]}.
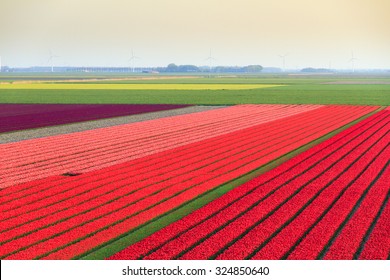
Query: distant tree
{"points": [[179, 68], [271, 70], [315, 70], [5, 69], [188, 68], [228, 69], [172, 67], [253, 68]]}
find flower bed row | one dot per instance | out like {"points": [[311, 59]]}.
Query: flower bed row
{"points": [[26, 116]]}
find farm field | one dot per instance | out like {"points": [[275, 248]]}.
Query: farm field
{"points": [[131, 167], [97, 148], [144, 89], [133, 86], [330, 202], [69, 196], [195, 140]]}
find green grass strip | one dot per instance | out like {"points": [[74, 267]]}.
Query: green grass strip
{"points": [[123, 241], [123, 86], [288, 94]]}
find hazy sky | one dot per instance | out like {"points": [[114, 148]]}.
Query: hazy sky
{"points": [[314, 33]]}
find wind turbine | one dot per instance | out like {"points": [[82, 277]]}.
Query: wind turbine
{"points": [[131, 60], [283, 57], [50, 60], [352, 60], [210, 59]]}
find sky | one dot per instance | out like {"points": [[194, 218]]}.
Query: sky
{"points": [[312, 33]]}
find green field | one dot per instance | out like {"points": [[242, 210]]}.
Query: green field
{"points": [[217, 90], [131, 87]]}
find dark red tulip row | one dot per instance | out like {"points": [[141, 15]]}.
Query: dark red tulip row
{"points": [[26, 116]]}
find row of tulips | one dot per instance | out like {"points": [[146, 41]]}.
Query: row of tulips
{"points": [[26, 116]]}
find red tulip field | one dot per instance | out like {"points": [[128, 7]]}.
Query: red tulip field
{"points": [[70, 195], [330, 202]]}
